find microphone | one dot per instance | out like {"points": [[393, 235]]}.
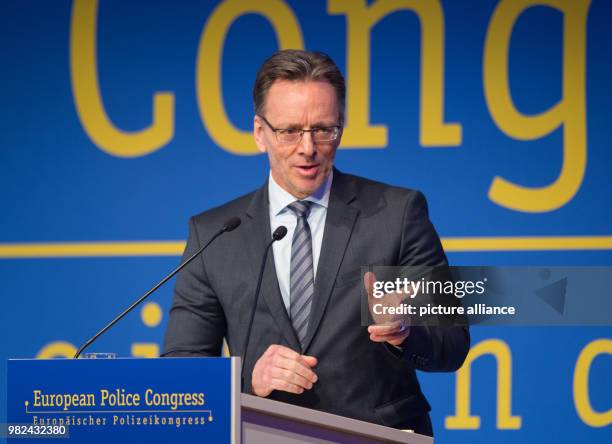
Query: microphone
{"points": [[229, 225], [278, 234]]}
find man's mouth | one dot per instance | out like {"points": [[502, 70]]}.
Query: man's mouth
{"points": [[308, 170]]}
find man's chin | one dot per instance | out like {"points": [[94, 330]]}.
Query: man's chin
{"points": [[305, 188]]}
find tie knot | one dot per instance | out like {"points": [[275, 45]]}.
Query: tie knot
{"points": [[301, 208]]}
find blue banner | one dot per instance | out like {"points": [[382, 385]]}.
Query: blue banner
{"points": [[119, 120]]}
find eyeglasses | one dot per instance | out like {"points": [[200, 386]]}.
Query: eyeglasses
{"points": [[294, 135]]}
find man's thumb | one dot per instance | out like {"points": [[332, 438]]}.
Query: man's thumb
{"points": [[369, 279]]}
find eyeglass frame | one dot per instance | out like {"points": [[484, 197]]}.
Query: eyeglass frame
{"points": [[301, 131]]}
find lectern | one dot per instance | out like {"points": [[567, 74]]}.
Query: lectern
{"points": [[179, 400]]}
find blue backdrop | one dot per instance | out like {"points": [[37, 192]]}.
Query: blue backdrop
{"points": [[121, 119]]}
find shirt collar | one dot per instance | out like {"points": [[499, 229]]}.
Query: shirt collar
{"points": [[280, 198]]}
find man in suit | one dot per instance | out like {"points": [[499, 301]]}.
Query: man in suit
{"points": [[308, 346]]}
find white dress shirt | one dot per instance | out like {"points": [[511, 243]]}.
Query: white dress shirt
{"points": [[281, 215]]}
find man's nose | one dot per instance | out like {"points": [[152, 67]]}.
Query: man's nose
{"points": [[307, 145]]}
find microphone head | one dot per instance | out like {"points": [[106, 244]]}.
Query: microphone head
{"points": [[279, 233], [231, 224]]}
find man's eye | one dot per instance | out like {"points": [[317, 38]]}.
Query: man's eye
{"points": [[324, 131], [289, 131]]}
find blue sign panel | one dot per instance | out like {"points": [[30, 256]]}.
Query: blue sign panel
{"points": [[125, 400]]}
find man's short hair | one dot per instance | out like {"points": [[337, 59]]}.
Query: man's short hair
{"points": [[298, 65]]}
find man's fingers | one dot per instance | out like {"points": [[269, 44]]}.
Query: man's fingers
{"points": [[310, 360], [393, 338], [292, 377], [280, 384], [386, 329], [385, 338], [395, 333], [286, 358], [288, 353], [285, 369], [296, 367], [307, 361], [283, 351], [281, 368]]}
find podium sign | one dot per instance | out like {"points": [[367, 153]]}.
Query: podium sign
{"points": [[126, 400]]}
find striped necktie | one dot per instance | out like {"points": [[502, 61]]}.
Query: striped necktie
{"points": [[302, 270]]}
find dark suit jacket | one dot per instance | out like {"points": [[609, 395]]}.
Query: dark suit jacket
{"points": [[367, 223]]}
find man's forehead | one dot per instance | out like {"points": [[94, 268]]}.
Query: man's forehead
{"points": [[304, 98]]}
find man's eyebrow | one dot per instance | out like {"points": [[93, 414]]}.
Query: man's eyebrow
{"points": [[324, 124], [319, 124]]}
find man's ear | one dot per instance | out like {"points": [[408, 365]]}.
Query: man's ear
{"points": [[258, 134]]}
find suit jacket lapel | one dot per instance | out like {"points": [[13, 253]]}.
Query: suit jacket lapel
{"points": [[339, 224], [256, 236]]}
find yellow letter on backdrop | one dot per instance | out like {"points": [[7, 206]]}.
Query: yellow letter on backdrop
{"points": [[463, 419], [208, 66], [145, 350], [57, 349], [581, 384], [88, 101], [360, 18], [570, 111]]}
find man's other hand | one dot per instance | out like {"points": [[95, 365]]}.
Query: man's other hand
{"points": [[393, 329], [281, 368]]}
